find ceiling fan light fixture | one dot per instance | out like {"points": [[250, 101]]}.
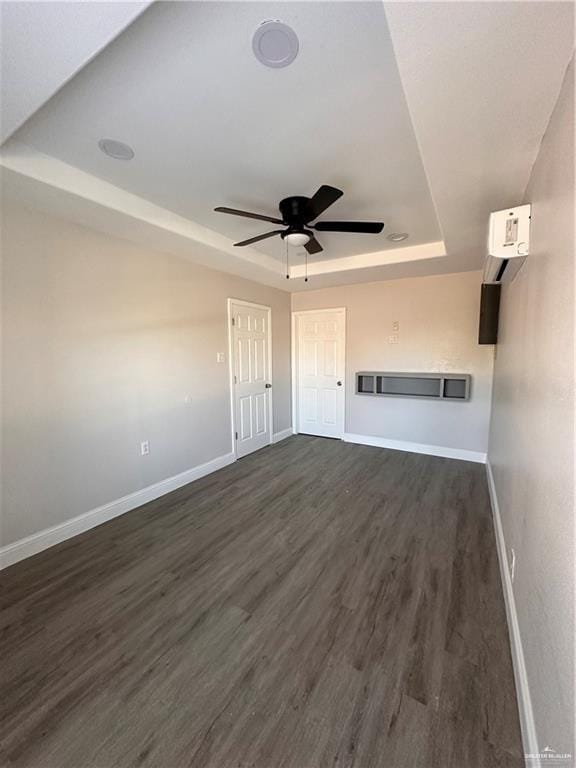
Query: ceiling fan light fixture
{"points": [[297, 238]]}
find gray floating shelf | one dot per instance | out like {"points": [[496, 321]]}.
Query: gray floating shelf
{"points": [[430, 386]]}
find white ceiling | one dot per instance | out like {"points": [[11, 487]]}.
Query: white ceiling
{"points": [[45, 44], [481, 79], [212, 126], [428, 115]]}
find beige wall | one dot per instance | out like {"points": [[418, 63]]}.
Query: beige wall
{"points": [[102, 343], [532, 431], [438, 319]]}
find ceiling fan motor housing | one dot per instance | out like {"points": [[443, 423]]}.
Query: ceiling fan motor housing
{"points": [[296, 211]]}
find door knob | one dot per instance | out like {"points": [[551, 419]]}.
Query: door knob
{"points": [[339, 383], [268, 386]]}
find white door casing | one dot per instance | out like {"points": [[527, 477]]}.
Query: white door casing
{"points": [[251, 375], [319, 339]]}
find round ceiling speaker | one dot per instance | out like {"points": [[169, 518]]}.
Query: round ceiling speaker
{"points": [[275, 44], [116, 149]]}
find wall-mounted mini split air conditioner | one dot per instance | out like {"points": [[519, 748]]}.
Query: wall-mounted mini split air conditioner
{"points": [[508, 243], [508, 246]]}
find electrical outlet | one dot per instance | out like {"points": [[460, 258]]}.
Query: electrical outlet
{"points": [[144, 448], [393, 339], [220, 357], [395, 325], [512, 564]]}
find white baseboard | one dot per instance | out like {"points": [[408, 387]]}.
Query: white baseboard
{"points": [[277, 436], [527, 724], [31, 545], [430, 450]]}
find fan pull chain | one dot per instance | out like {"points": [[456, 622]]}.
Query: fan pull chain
{"points": [[287, 267], [305, 266]]}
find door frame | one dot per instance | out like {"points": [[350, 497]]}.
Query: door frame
{"points": [[295, 339], [232, 360]]}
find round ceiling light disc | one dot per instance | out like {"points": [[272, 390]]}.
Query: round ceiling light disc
{"points": [[275, 44], [397, 237], [116, 149]]}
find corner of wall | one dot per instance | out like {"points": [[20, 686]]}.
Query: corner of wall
{"points": [[527, 723]]}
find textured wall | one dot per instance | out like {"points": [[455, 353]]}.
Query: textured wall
{"points": [[102, 343], [438, 319], [532, 431]]}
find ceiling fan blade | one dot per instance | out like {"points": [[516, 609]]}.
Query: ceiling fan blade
{"points": [[260, 237], [246, 214], [313, 246], [323, 199], [369, 227]]}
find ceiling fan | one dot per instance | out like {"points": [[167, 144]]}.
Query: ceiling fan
{"points": [[298, 212]]}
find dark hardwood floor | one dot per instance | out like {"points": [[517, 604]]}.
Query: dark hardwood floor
{"points": [[315, 604]]}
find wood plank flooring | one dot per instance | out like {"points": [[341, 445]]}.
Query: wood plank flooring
{"points": [[314, 604]]}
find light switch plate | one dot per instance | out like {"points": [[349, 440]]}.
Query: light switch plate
{"points": [[393, 339], [220, 358]]}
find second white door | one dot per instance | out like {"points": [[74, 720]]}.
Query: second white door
{"points": [[251, 376], [319, 358]]}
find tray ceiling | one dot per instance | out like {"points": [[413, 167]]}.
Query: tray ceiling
{"points": [[425, 114]]}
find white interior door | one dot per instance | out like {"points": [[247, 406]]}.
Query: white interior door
{"points": [[251, 381], [320, 381]]}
